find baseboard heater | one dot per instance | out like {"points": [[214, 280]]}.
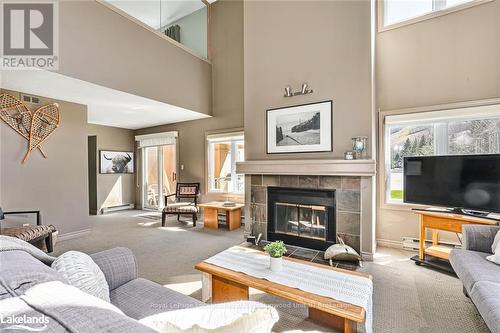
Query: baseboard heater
{"points": [[413, 244], [106, 210]]}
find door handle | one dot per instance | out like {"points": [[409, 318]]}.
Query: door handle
{"points": [[174, 176]]}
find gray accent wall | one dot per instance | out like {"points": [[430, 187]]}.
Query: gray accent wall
{"points": [[323, 43], [227, 98], [57, 186], [446, 59], [114, 189]]}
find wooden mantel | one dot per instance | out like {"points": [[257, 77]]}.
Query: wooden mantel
{"points": [[322, 167]]}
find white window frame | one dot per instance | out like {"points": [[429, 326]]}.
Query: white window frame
{"points": [[384, 202], [209, 164], [438, 10]]}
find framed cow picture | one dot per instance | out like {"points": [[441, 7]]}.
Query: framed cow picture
{"points": [[116, 162], [302, 128]]}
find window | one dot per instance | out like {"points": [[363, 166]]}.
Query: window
{"points": [[224, 150], [397, 11], [453, 132]]}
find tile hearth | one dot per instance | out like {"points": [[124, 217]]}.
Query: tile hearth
{"points": [[308, 255]]}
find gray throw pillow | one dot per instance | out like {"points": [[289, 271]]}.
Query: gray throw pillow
{"points": [[342, 252], [83, 273]]}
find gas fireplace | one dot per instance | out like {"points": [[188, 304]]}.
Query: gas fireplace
{"points": [[301, 217]]}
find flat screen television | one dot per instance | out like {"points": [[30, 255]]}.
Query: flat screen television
{"points": [[469, 182]]}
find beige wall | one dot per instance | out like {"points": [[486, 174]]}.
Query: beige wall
{"points": [[227, 83], [114, 189], [57, 185], [101, 46], [447, 59], [323, 43]]}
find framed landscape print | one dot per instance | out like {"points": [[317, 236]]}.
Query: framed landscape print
{"points": [[303, 128], [116, 161]]}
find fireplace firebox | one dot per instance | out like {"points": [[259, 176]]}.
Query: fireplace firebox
{"points": [[301, 217]]}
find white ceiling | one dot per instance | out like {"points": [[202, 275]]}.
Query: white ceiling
{"points": [[158, 13], [105, 106]]}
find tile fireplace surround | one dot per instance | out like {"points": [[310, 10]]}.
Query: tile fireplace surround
{"points": [[353, 182]]}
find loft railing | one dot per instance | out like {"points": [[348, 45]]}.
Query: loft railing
{"points": [[184, 22]]}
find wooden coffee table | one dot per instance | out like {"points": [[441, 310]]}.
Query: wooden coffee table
{"points": [[210, 214], [226, 285]]}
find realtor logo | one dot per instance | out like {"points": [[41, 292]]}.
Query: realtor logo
{"points": [[29, 35]]}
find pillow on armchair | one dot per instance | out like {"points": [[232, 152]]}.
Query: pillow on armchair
{"points": [[241, 316]]}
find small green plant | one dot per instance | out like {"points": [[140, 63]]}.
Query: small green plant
{"points": [[275, 249]]}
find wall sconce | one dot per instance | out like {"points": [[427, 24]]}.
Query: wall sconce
{"points": [[303, 91]]}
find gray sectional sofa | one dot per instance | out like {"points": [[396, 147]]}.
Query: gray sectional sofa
{"points": [[136, 297], [480, 277]]}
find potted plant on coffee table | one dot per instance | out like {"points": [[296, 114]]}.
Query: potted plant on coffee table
{"points": [[276, 251]]}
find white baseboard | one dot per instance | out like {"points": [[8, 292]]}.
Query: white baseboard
{"points": [[74, 234], [106, 210], [367, 256], [390, 243]]}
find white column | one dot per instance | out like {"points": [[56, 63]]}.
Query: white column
{"points": [[368, 218]]}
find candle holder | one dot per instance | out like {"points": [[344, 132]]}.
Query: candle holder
{"points": [[359, 146]]}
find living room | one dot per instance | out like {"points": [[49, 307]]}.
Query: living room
{"points": [[165, 144]]}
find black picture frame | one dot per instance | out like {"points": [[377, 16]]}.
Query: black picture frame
{"points": [[330, 129], [103, 166]]}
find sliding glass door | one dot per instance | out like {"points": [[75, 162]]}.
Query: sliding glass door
{"points": [[159, 165]]}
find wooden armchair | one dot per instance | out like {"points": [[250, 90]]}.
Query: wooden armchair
{"points": [[186, 202]]}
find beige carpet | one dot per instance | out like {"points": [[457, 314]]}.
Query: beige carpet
{"points": [[407, 298]]}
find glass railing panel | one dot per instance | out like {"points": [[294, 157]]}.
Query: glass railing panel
{"points": [[146, 11], [185, 21]]}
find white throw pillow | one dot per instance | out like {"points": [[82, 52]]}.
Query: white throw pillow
{"points": [[53, 294], [495, 258], [83, 273], [242, 316], [496, 241]]}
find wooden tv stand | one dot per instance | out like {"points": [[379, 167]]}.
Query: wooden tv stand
{"points": [[437, 220]]}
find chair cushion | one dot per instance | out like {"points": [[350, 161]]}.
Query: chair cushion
{"points": [[472, 267], [181, 207], [187, 190], [29, 233], [141, 298], [486, 297]]}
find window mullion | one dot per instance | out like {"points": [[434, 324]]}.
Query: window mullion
{"points": [[438, 5], [387, 154], [233, 166], [211, 176], [441, 138]]}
